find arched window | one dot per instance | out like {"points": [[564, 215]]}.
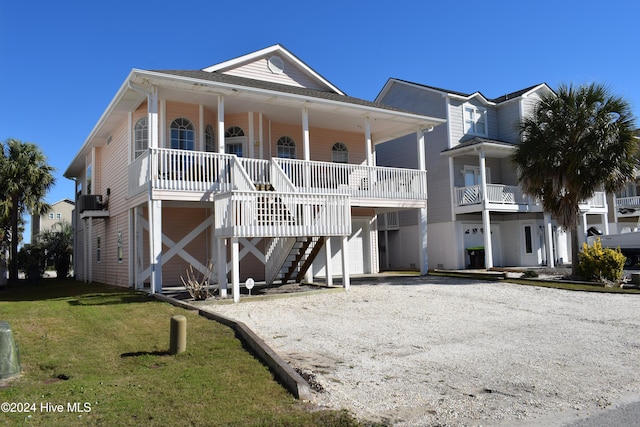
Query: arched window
{"points": [[183, 134], [234, 140], [209, 139], [339, 153], [140, 137], [233, 131], [286, 148]]}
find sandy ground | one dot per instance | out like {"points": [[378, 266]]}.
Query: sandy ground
{"points": [[427, 351]]}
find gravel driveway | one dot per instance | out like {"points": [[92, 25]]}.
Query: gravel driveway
{"points": [[423, 351]]}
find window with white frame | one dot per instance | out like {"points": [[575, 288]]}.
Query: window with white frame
{"points": [[51, 215], [234, 140], [140, 137], [472, 175], [286, 148], [183, 134], [475, 120], [339, 153]]}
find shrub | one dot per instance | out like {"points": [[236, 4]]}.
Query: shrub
{"points": [[596, 262], [529, 274]]}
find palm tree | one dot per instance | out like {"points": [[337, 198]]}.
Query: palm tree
{"points": [[26, 177], [578, 141], [58, 241]]}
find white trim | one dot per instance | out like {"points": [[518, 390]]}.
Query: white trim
{"points": [[271, 50], [471, 129]]}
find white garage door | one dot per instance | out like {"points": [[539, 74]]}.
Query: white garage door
{"points": [[358, 252]]}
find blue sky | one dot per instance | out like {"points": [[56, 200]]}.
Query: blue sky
{"points": [[62, 62]]}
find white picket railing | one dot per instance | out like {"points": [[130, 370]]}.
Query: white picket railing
{"points": [[510, 195], [199, 171], [277, 214], [358, 180], [628, 202], [276, 253]]}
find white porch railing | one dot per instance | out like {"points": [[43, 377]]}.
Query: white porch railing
{"points": [[357, 180], [276, 214], [276, 254], [599, 200], [510, 195], [198, 171], [628, 202], [186, 170], [501, 194]]}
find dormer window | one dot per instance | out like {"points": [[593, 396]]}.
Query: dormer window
{"points": [[475, 120]]}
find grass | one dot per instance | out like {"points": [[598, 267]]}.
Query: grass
{"points": [[106, 349]]}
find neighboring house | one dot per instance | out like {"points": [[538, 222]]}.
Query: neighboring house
{"points": [[477, 214], [246, 163], [60, 211], [625, 216]]}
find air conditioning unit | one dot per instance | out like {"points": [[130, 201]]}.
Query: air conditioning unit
{"points": [[90, 203]]}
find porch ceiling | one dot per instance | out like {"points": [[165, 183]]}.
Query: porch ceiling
{"points": [[491, 148], [284, 105]]}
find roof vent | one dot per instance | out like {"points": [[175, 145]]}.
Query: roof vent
{"points": [[276, 65]]}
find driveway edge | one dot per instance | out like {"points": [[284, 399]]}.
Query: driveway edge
{"points": [[292, 380]]}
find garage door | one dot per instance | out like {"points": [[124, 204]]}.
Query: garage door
{"points": [[358, 252]]}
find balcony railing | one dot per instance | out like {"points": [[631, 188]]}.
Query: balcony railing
{"points": [[628, 202], [359, 181], [197, 171], [501, 194], [276, 214], [511, 195]]}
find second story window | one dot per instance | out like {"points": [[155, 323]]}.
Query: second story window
{"points": [[339, 153], [475, 120], [286, 148], [209, 139], [141, 137], [182, 134], [234, 140]]}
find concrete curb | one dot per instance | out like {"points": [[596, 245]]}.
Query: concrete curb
{"points": [[292, 380]]}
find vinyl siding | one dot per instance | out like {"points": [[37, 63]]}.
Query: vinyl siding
{"points": [[508, 120], [292, 75]]}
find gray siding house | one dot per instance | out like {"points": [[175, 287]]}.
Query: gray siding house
{"points": [[477, 215]]}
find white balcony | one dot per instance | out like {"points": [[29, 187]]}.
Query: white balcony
{"points": [[510, 198], [195, 175]]}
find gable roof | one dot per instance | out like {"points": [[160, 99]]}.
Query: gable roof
{"points": [[232, 66], [494, 101]]}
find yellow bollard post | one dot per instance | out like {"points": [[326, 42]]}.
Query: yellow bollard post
{"points": [[178, 334]]}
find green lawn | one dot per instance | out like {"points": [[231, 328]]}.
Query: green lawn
{"points": [[104, 350]]}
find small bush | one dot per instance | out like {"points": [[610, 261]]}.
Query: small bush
{"points": [[529, 274], [596, 262]]}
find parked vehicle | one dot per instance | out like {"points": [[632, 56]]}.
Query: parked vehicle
{"points": [[629, 244]]}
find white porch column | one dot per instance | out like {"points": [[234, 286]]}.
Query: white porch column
{"points": [[235, 269], [344, 252], [155, 244], [260, 138], [305, 134], [152, 110], [486, 216], [139, 247], [221, 124], [422, 212], [605, 222], [367, 137], [328, 266], [222, 267], [201, 126], [251, 136], [551, 262]]}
